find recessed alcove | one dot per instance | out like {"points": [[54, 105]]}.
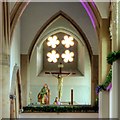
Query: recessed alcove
{"points": [[79, 82]]}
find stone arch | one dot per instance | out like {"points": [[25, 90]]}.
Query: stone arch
{"points": [[55, 16], [18, 11], [16, 14], [20, 7]]}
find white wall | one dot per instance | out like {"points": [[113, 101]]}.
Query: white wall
{"points": [[15, 49], [80, 85]]}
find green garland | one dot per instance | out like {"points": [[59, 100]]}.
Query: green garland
{"points": [[105, 83], [61, 109], [113, 56], [108, 79]]}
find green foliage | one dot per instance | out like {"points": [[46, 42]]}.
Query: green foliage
{"points": [[105, 83], [108, 79], [113, 56], [61, 108]]}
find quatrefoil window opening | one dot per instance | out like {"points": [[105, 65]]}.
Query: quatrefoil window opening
{"points": [[67, 56], [68, 41], [53, 42], [53, 56]]}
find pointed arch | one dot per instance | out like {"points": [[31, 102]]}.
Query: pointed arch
{"points": [[16, 14], [20, 7], [39, 32]]}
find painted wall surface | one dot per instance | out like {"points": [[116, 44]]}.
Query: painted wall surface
{"points": [[37, 14], [15, 49], [80, 85]]}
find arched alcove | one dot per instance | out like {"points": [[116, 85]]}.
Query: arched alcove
{"points": [[34, 44], [82, 82]]}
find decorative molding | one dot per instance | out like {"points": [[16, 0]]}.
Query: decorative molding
{"points": [[6, 23]]}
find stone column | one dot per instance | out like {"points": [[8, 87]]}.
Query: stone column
{"points": [[104, 104], [114, 95], [5, 86], [5, 60], [115, 36], [103, 65]]}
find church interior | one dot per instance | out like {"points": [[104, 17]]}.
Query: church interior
{"points": [[60, 59]]}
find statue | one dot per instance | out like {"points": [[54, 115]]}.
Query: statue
{"points": [[43, 96], [56, 102], [60, 75], [60, 86]]}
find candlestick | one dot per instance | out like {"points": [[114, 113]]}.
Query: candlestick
{"points": [[71, 96]]}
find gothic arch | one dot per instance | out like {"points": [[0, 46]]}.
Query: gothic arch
{"points": [[20, 7], [16, 14], [60, 13]]}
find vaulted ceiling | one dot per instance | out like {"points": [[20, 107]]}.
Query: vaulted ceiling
{"points": [[42, 19], [37, 14]]}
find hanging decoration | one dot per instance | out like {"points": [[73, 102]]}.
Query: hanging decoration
{"points": [[113, 56]]}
